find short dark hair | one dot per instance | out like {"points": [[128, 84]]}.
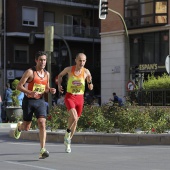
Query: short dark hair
{"points": [[114, 93], [40, 53]]}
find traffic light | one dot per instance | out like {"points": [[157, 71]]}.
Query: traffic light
{"points": [[103, 7]]}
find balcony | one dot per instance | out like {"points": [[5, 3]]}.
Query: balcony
{"points": [[77, 3], [75, 32]]}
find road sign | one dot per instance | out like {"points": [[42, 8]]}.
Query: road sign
{"points": [[130, 86], [167, 64]]}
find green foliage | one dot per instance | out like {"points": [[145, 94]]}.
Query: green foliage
{"points": [[34, 123], [108, 118], [15, 93], [93, 118], [15, 83], [160, 82], [57, 118], [15, 101], [16, 118]]}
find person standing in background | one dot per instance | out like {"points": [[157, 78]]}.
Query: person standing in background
{"points": [[20, 98], [7, 96]]}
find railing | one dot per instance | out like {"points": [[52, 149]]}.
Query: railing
{"points": [[150, 97], [96, 2], [75, 31], [87, 2]]}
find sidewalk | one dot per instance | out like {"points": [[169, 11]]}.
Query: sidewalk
{"points": [[7, 125], [99, 138]]}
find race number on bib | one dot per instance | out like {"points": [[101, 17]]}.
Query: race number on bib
{"points": [[76, 90], [39, 88]]}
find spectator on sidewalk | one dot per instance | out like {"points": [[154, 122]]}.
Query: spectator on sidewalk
{"points": [[8, 93]]}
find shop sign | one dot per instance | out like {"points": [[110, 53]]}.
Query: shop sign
{"points": [[10, 74], [143, 67]]}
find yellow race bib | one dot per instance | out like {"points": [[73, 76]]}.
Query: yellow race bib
{"points": [[39, 88]]}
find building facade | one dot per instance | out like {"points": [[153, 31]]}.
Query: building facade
{"points": [[1, 70], [76, 25], [126, 60]]}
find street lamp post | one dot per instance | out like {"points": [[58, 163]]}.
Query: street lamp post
{"points": [[59, 55], [49, 43], [69, 52], [5, 79]]}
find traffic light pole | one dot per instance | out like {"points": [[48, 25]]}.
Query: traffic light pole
{"points": [[103, 8], [127, 45], [121, 19]]}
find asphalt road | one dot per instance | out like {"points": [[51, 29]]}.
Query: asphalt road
{"points": [[23, 155]]}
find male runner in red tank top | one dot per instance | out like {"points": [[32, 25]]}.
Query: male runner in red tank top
{"points": [[74, 98], [34, 83]]}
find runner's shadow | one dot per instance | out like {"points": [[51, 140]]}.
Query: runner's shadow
{"points": [[58, 152], [28, 160], [6, 154]]}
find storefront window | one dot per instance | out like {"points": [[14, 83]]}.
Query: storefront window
{"points": [[149, 48]]}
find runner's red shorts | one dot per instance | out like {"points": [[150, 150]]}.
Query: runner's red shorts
{"points": [[74, 101]]}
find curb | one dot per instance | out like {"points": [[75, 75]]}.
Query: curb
{"points": [[8, 125], [100, 138]]}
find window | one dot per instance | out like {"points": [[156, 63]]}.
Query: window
{"points": [[149, 48], [68, 25], [29, 16], [160, 12], [21, 54], [143, 13], [77, 25], [73, 25]]}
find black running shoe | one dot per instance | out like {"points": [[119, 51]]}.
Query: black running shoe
{"points": [[43, 153]]}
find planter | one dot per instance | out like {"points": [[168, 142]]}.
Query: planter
{"points": [[14, 113]]}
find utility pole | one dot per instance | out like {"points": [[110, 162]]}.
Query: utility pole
{"points": [[49, 44]]}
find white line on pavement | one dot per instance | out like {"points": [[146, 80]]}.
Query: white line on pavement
{"points": [[38, 167]]}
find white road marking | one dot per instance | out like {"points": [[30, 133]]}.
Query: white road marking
{"points": [[38, 167]]}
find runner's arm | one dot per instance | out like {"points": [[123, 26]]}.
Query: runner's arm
{"points": [[60, 78], [26, 76], [89, 80]]}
